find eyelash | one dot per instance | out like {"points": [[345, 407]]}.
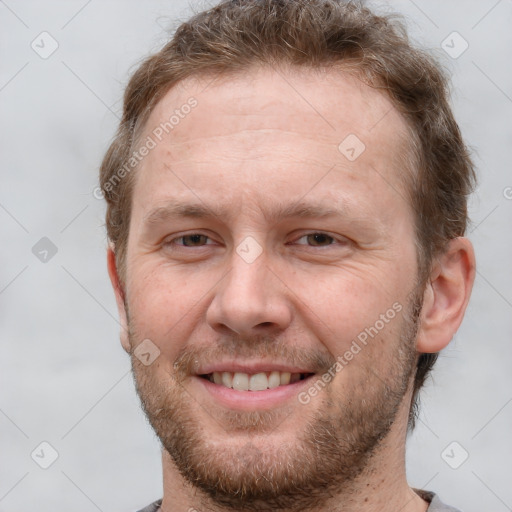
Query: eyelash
{"points": [[312, 233]]}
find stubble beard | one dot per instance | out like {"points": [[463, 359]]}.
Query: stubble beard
{"points": [[335, 446]]}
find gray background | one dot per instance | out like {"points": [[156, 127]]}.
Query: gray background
{"points": [[64, 378]]}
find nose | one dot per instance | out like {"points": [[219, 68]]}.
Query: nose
{"points": [[250, 300]]}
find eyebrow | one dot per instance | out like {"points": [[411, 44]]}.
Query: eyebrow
{"points": [[176, 209]]}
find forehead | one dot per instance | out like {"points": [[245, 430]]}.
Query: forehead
{"points": [[269, 125], [330, 100]]}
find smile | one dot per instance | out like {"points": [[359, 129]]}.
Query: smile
{"points": [[254, 382]]}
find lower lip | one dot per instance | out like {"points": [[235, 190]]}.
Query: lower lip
{"points": [[250, 400]]}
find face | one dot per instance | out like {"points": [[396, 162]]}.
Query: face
{"points": [[271, 263]]}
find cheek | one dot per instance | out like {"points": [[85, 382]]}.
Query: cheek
{"points": [[165, 307], [347, 305]]}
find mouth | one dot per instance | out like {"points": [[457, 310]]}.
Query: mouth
{"points": [[260, 381], [251, 384]]}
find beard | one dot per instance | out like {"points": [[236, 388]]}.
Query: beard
{"points": [[242, 470]]}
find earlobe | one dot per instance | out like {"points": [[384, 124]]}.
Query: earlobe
{"points": [[120, 296], [446, 295]]}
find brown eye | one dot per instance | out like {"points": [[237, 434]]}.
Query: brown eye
{"points": [[320, 239], [193, 240], [317, 239]]}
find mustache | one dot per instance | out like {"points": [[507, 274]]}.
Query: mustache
{"points": [[191, 357]]}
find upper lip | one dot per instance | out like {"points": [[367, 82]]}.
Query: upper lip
{"points": [[249, 367]]}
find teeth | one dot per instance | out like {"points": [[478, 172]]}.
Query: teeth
{"points": [[241, 381], [274, 380], [258, 382], [255, 382], [285, 378], [227, 379]]}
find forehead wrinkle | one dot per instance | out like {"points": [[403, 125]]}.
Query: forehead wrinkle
{"points": [[240, 141], [278, 211]]}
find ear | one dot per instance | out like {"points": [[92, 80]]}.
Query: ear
{"points": [[446, 295], [120, 296]]}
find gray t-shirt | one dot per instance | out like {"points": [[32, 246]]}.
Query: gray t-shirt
{"points": [[436, 505]]}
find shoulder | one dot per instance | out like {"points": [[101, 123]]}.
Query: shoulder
{"points": [[436, 505], [153, 507]]}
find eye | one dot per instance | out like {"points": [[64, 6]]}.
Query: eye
{"points": [[192, 240], [317, 239]]}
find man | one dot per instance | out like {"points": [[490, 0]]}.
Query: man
{"points": [[286, 209]]}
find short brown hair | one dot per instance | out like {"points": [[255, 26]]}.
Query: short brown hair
{"points": [[238, 34]]}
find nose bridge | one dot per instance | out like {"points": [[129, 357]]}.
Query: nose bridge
{"points": [[249, 297]]}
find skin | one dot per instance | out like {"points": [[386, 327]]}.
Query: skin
{"points": [[254, 142]]}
